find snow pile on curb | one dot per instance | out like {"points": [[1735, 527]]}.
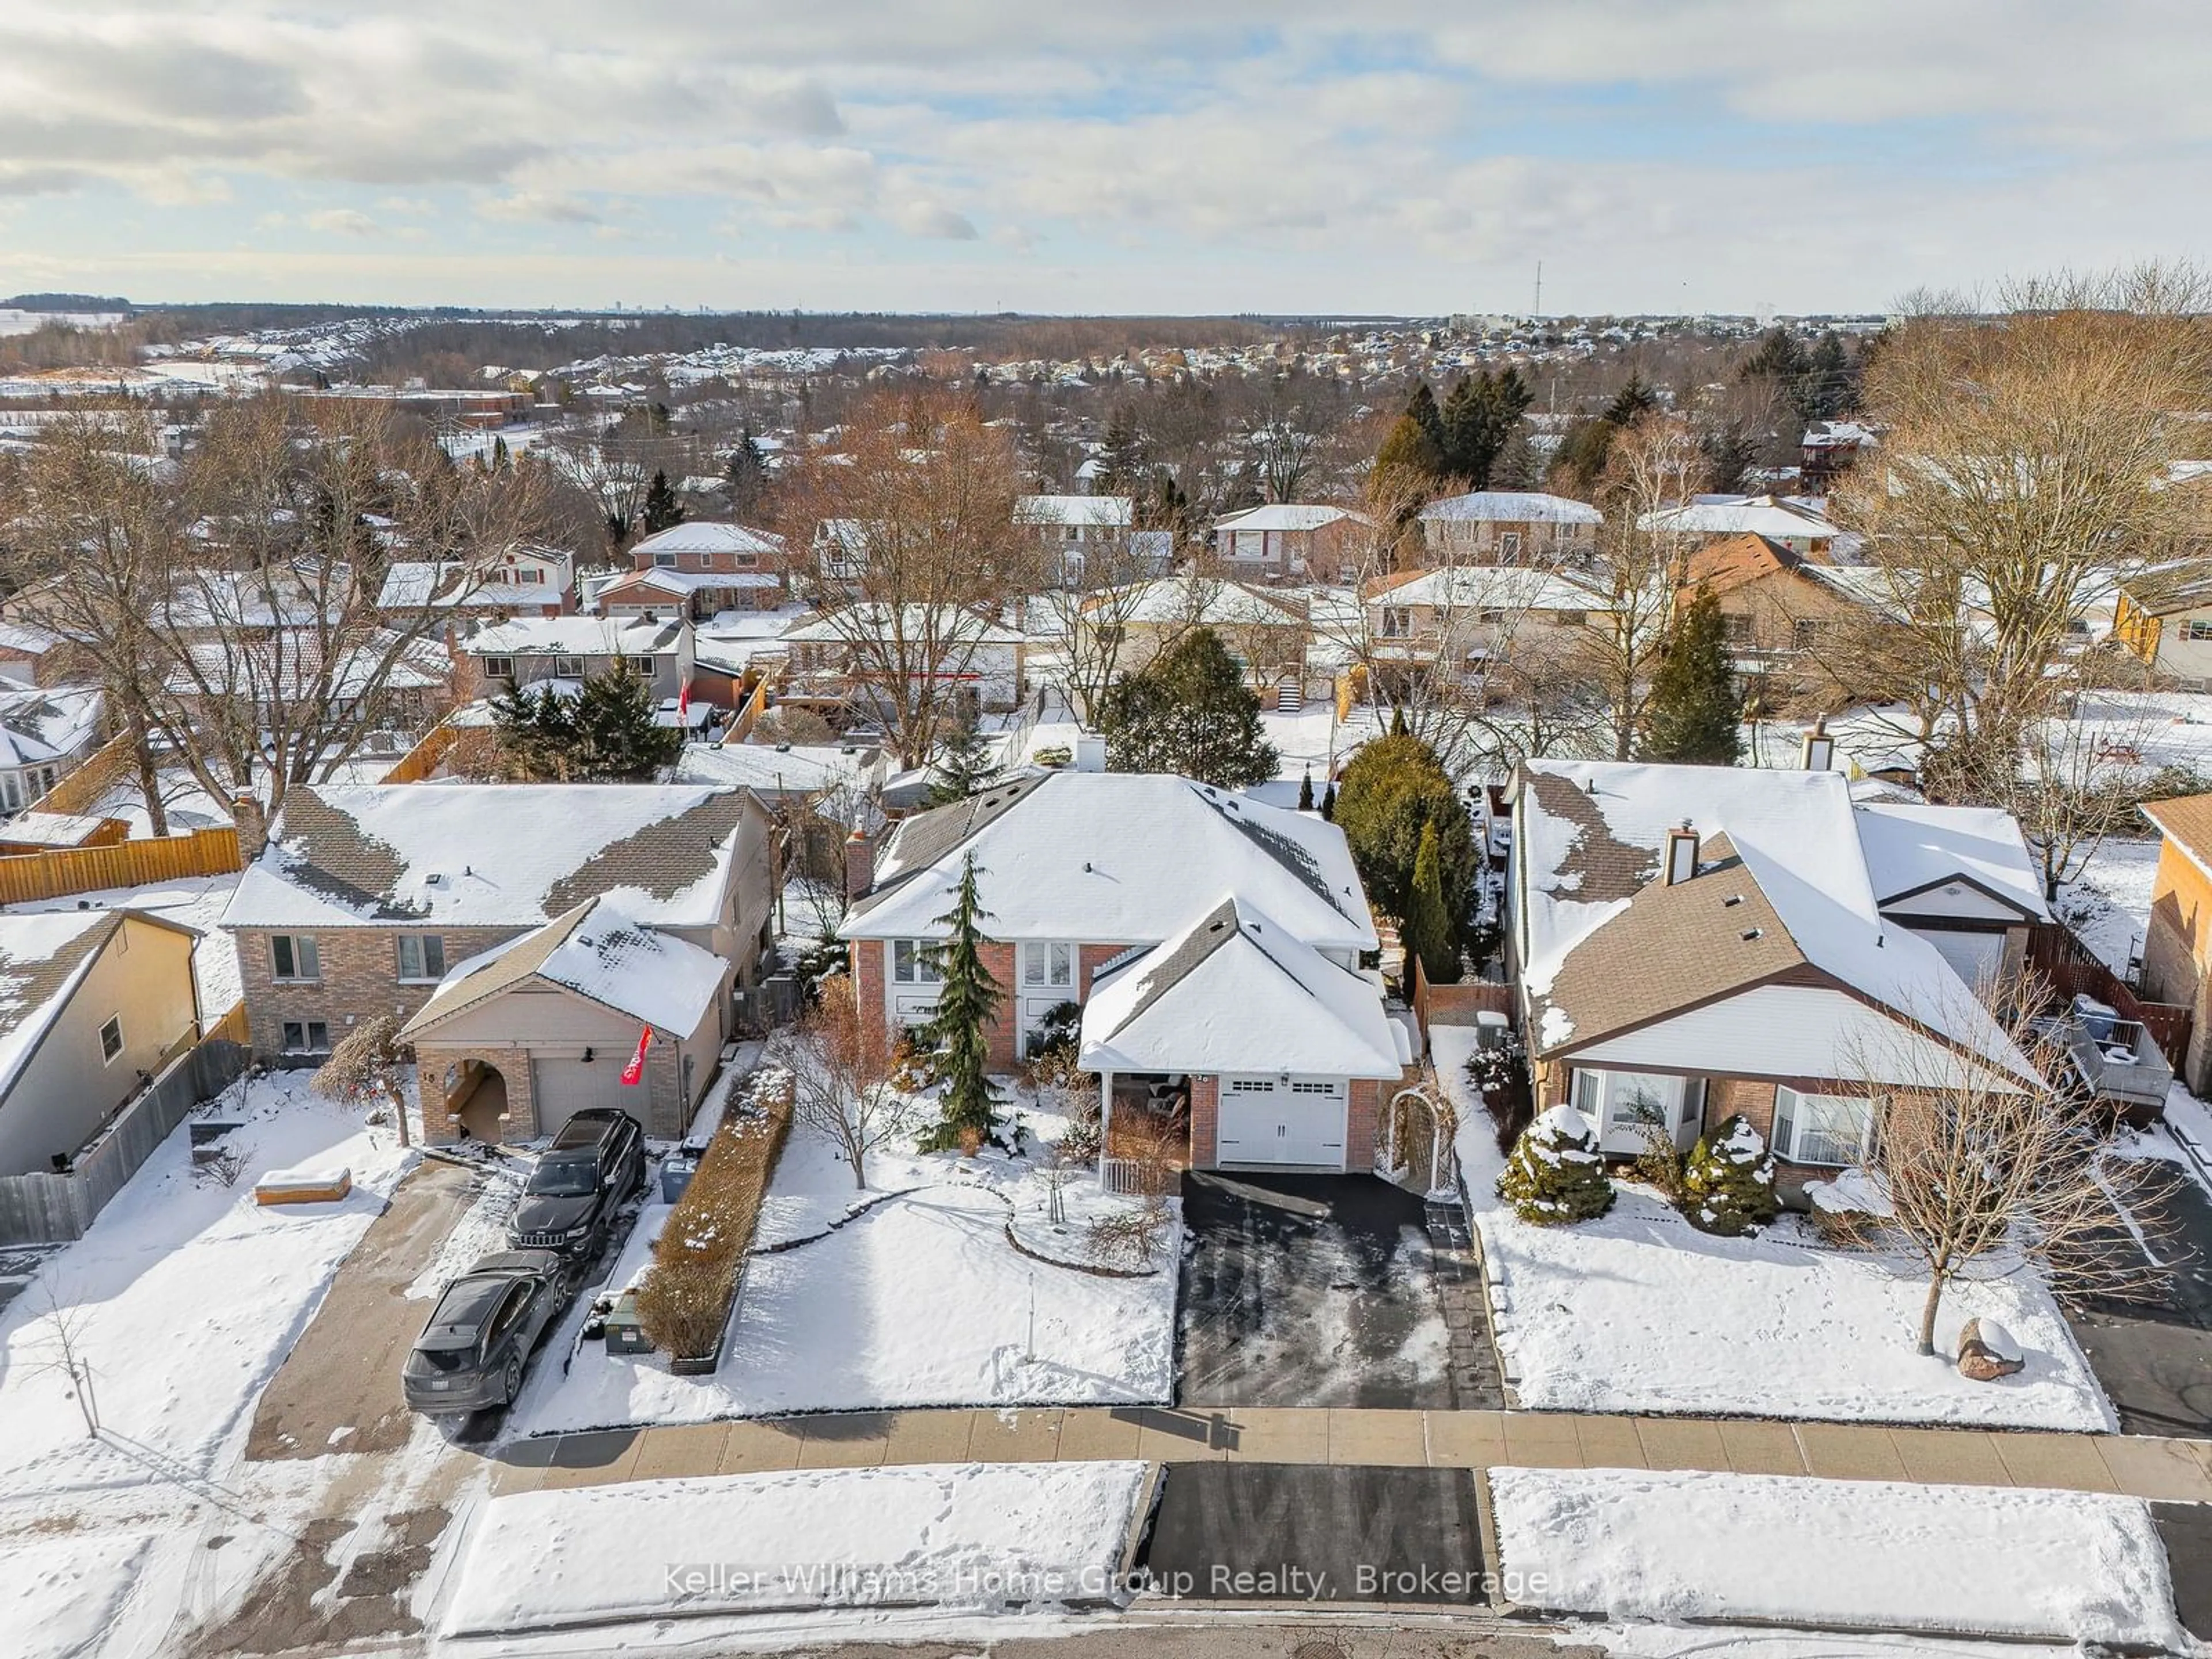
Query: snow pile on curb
{"points": [[68, 1594], [1879, 1555], [973, 1536]]}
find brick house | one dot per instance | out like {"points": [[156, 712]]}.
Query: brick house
{"points": [[1777, 605], [1509, 526], [1689, 942], [528, 650], [700, 569], [1465, 620], [1213, 942], [531, 579], [378, 899], [1293, 541]]}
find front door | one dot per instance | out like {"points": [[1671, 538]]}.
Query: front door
{"points": [[1297, 1121]]}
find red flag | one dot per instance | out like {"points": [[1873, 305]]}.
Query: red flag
{"points": [[683, 702], [634, 1071]]}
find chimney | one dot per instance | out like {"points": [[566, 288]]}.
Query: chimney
{"points": [[253, 826], [1090, 752], [1682, 853], [1819, 748], [859, 865]]}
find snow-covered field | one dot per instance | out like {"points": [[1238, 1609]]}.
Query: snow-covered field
{"points": [[1639, 1311], [1681, 1546], [919, 1301], [184, 1298], [973, 1536]]}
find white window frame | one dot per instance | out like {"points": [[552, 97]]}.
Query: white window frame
{"points": [[1509, 543], [109, 1055], [1595, 1091], [664, 562], [2196, 631], [1054, 963], [499, 668], [1397, 621], [1791, 1132], [305, 955], [426, 946], [568, 668], [529, 575], [307, 1043], [914, 962]]}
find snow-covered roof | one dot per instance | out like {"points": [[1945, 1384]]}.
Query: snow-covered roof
{"points": [[703, 536], [478, 854], [1289, 515], [44, 956], [680, 583], [40, 727], [1115, 858], [1512, 506], [416, 584], [1760, 515], [1500, 587], [1910, 848], [1201, 601], [1097, 512], [574, 637], [1234, 991], [778, 768], [948, 625], [598, 950], [1783, 883]]}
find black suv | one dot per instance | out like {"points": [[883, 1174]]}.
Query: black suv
{"points": [[595, 1165], [470, 1355]]}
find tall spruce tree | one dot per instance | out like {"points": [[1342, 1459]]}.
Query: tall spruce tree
{"points": [[968, 997], [1482, 413], [662, 510], [1429, 932], [1189, 711], [1696, 710], [606, 733], [967, 764], [1422, 406]]}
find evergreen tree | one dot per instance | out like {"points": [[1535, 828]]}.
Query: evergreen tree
{"points": [[1398, 726], [1727, 1185], [662, 510], [1410, 456], [1556, 1175], [1328, 803], [1121, 454], [1483, 412], [747, 474], [1305, 792], [967, 999], [1428, 933], [1696, 710], [1632, 403], [607, 733], [1393, 790], [1189, 712], [1421, 407], [967, 763]]}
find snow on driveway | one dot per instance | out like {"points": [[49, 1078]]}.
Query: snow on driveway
{"points": [[184, 1298], [974, 1536], [1969, 1560], [919, 1301]]}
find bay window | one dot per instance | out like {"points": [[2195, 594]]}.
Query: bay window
{"points": [[1830, 1130]]}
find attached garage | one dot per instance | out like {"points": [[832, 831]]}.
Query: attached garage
{"points": [[563, 1087], [1296, 1120], [1977, 957]]}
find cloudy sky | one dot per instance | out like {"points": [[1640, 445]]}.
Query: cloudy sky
{"points": [[1166, 155]]}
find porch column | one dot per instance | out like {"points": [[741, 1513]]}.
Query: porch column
{"points": [[1105, 1122]]}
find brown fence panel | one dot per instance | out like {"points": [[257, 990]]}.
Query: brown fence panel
{"points": [[426, 756], [1457, 1005], [32, 876], [2074, 970]]}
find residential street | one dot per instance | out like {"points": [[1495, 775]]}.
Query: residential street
{"points": [[2155, 1359]]}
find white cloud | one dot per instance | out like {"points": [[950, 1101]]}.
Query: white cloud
{"points": [[933, 219], [343, 222]]}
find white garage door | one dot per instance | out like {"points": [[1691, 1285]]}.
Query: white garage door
{"points": [[1272, 1119], [564, 1087], [1977, 958]]}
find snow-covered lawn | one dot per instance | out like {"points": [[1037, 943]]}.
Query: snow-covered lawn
{"points": [[184, 1298], [1683, 1546], [918, 1301], [1639, 1311], [974, 1536], [2108, 903], [64, 1594]]}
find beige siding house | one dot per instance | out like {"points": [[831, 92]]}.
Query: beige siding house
{"points": [[97, 1002]]}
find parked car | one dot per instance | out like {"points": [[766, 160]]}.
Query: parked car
{"points": [[470, 1355], [594, 1166]]}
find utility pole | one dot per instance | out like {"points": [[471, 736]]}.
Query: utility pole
{"points": [[1538, 313]]}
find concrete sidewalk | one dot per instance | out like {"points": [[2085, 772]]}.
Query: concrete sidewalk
{"points": [[2180, 1470]]}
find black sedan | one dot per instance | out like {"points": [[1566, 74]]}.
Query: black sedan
{"points": [[470, 1355]]}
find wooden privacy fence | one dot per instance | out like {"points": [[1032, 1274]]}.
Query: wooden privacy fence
{"points": [[41, 1208], [2072, 970], [30, 876], [1457, 1005], [426, 756]]}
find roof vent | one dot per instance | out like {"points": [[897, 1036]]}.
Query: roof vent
{"points": [[1751, 933], [1731, 901], [435, 878]]}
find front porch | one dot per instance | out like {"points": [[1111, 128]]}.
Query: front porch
{"points": [[1144, 1120]]}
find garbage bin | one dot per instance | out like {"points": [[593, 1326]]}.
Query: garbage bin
{"points": [[623, 1332], [676, 1172]]}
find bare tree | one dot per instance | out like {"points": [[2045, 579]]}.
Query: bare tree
{"points": [[1986, 1172], [1641, 564], [840, 1072], [1093, 610], [2075, 784], [367, 1068]]}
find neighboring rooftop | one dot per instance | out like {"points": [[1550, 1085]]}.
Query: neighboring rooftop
{"points": [[704, 536], [1290, 515], [1511, 507], [574, 637]]}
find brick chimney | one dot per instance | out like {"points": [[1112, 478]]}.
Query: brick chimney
{"points": [[252, 826], [859, 865], [1681, 854]]}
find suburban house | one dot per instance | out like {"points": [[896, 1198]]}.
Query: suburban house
{"points": [[841, 659], [1065, 525], [93, 1004], [44, 734], [528, 932], [1266, 633], [1509, 526], [2176, 957], [1293, 541], [1829, 449], [1775, 603], [1470, 617], [1793, 522], [699, 569], [1213, 942], [31, 655], [534, 579], [569, 650], [1691, 942], [2165, 617]]}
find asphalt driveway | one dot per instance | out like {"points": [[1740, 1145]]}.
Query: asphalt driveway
{"points": [[1279, 1531], [2155, 1359], [1324, 1291]]}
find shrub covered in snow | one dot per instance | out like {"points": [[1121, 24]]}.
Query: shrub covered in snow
{"points": [[1556, 1173], [683, 1301], [1727, 1185]]}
